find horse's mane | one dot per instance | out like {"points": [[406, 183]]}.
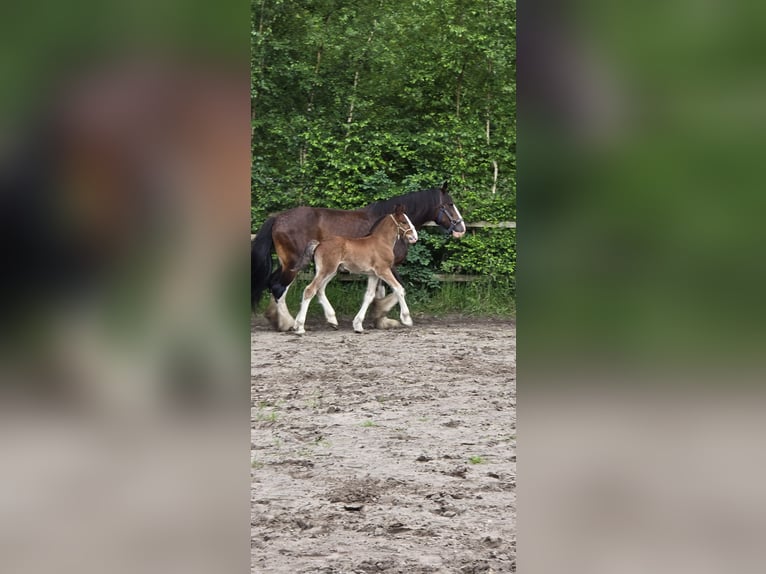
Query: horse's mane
{"points": [[414, 203]]}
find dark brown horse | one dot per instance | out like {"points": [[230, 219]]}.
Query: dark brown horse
{"points": [[371, 255], [289, 233]]}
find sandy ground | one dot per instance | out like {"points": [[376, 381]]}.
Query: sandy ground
{"points": [[390, 451]]}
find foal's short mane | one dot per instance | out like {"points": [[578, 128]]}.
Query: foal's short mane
{"points": [[378, 221]]}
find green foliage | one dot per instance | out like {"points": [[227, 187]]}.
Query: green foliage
{"points": [[490, 252], [417, 272], [354, 102]]}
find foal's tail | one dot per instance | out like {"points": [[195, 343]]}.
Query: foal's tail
{"points": [[260, 261], [307, 255]]}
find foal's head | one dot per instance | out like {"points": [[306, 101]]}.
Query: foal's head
{"points": [[404, 226]]}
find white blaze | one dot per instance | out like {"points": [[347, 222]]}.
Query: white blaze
{"points": [[459, 218], [412, 228]]}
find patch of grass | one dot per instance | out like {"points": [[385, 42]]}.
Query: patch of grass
{"points": [[267, 416], [481, 298], [476, 460], [256, 465], [323, 442], [264, 404], [313, 404], [368, 423]]}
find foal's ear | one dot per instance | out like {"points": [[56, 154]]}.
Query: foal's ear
{"points": [[444, 186]]}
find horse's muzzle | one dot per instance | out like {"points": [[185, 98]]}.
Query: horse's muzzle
{"points": [[458, 234]]}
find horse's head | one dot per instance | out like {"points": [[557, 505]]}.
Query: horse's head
{"points": [[448, 216], [404, 225]]}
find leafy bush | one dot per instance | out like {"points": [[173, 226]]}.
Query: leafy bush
{"points": [[355, 102]]}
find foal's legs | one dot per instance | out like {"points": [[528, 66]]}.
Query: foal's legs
{"points": [[317, 285], [329, 312], [369, 295], [388, 276], [308, 295]]}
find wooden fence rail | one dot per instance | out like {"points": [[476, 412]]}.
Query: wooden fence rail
{"points": [[478, 224]]}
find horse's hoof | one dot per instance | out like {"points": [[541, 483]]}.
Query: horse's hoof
{"points": [[334, 326], [407, 322], [386, 323], [273, 321]]}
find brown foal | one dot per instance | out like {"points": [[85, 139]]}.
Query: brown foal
{"points": [[372, 255]]}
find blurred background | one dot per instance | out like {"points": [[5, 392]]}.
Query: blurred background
{"points": [[640, 346], [124, 218], [124, 165]]}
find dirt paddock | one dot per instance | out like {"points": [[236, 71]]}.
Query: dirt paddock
{"points": [[390, 451]]}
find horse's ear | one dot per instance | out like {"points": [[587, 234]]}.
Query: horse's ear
{"points": [[399, 208], [444, 186]]}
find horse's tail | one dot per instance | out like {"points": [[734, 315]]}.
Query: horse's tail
{"points": [[260, 261], [307, 256]]}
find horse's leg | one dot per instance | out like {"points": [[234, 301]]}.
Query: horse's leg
{"points": [[384, 305], [280, 317], [379, 311], [285, 319], [388, 276], [289, 254], [329, 312], [276, 312], [369, 295]]}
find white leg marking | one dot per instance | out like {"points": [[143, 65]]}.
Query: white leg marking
{"points": [[286, 320], [329, 312], [404, 315], [369, 295], [300, 318]]}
